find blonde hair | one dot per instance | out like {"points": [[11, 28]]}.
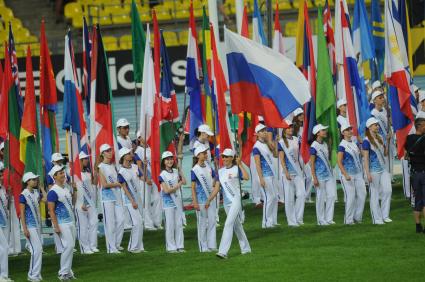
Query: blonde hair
{"points": [[374, 139]]}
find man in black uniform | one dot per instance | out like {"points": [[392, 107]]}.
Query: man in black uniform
{"points": [[415, 149]]}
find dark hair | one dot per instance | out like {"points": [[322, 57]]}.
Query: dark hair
{"points": [[418, 121], [163, 164], [194, 161]]}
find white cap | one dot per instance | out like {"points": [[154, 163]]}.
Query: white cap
{"points": [[259, 127], [104, 147], [55, 169], [421, 95], [420, 114], [298, 111], [319, 127], [166, 154], [200, 149], [341, 102], [260, 118], [205, 129], [138, 134], [415, 88], [228, 152], [345, 126], [57, 157], [371, 121], [1, 145], [83, 155], [288, 122], [375, 94], [376, 84], [123, 151], [122, 122], [366, 82], [28, 176]]}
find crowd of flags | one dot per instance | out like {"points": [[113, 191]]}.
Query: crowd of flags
{"points": [[261, 82]]}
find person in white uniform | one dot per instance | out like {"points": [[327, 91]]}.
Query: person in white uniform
{"points": [[4, 219], [263, 171], [230, 176], [323, 178], [60, 205], [292, 176], [374, 154], [171, 183], [29, 201], [350, 165], [113, 211], [341, 105], [129, 177], [86, 209], [123, 128], [203, 180]]}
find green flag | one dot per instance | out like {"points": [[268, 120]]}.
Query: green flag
{"points": [[325, 95], [138, 43]]}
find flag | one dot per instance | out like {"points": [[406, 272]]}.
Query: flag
{"points": [[15, 71], [258, 34], [72, 105], [305, 60], [397, 73], [405, 26], [329, 35], [219, 86], [325, 96], [262, 81], [362, 34], [206, 71], [245, 25], [9, 130], [193, 82], [86, 63], [48, 102], [378, 32], [138, 43], [277, 38], [101, 128]]}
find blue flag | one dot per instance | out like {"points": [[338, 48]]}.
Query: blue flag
{"points": [[378, 32]]}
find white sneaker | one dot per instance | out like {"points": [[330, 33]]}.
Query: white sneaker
{"points": [[150, 228], [87, 253], [331, 222], [221, 256], [116, 252], [120, 248], [95, 250], [388, 220]]}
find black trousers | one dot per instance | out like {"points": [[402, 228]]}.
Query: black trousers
{"points": [[418, 186]]}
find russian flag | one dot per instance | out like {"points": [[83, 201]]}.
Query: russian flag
{"points": [[263, 81]]}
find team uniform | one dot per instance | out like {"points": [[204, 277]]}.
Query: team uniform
{"points": [[229, 181], [355, 189], [113, 212], [203, 177], [14, 231], [124, 142], [308, 180], [268, 192], [380, 188], [32, 219], [4, 244], [171, 204], [62, 199], [341, 120], [326, 192], [86, 220], [294, 189], [382, 118]]}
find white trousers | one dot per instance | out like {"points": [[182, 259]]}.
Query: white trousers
{"points": [[153, 207], [280, 189], [308, 182], [380, 196], [206, 223], [14, 230], [233, 224], [270, 203], [354, 198], [113, 220], [35, 247], [4, 247], [136, 237], [174, 238], [294, 199], [86, 228], [406, 178], [67, 241], [325, 201]]}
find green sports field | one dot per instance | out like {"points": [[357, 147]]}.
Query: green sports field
{"points": [[391, 252]]}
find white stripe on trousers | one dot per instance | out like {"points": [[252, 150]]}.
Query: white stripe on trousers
{"points": [[233, 224], [67, 238], [86, 228], [207, 227], [136, 236], [380, 196], [355, 197], [174, 238], [4, 247], [325, 201], [35, 247], [294, 199], [113, 220], [270, 203]]}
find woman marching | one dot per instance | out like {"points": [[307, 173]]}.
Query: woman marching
{"points": [[60, 204], [203, 179], [29, 201], [350, 165], [85, 209], [292, 175], [4, 219], [229, 176], [113, 211], [323, 179], [129, 177], [374, 154], [171, 182]]}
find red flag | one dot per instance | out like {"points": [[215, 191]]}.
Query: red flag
{"points": [[244, 28]]}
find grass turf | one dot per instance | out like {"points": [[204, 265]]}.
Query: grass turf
{"points": [[392, 252]]}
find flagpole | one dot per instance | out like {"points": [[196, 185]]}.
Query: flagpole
{"points": [[269, 22], [135, 106], [144, 169]]}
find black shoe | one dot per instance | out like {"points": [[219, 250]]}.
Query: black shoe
{"points": [[419, 228]]}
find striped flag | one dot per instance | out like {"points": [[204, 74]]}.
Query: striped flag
{"points": [[15, 71], [86, 63], [278, 38], [329, 35], [258, 34]]}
